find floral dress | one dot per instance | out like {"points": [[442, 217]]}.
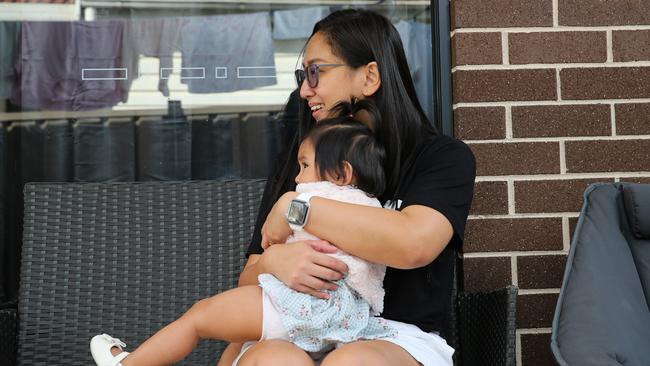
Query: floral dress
{"points": [[315, 324]]}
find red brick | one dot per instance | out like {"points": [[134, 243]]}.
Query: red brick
{"points": [[632, 45], [540, 271], [536, 350], [480, 123], [552, 195], [606, 13], [607, 156], [535, 310], [504, 85], [476, 49], [486, 273], [632, 119], [557, 47], [516, 158], [641, 180], [490, 198], [498, 235], [561, 120], [501, 13], [605, 83]]}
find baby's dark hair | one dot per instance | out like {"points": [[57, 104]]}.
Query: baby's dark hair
{"points": [[349, 137]]}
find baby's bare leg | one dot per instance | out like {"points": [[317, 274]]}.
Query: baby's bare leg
{"points": [[233, 316]]}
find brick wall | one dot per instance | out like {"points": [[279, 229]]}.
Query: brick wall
{"points": [[551, 95]]}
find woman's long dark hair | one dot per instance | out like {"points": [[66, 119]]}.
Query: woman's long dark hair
{"points": [[359, 37]]}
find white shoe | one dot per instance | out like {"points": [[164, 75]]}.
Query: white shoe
{"points": [[100, 348]]}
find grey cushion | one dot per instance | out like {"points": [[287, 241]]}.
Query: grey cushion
{"points": [[602, 315], [637, 208], [636, 198]]}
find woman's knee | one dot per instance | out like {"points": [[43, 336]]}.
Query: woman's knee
{"points": [[376, 353], [275, 353], [349, 357]]}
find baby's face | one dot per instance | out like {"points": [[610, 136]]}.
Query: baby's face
{"points": [[306, 160]]}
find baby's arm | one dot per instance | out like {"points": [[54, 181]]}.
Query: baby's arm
{"points": [[234, 316]]}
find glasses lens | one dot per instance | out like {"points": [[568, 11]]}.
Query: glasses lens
{"points": [[312, 75], [300, 77]]}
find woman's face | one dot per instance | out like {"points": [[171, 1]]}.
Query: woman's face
{"points": [[335, 83]]}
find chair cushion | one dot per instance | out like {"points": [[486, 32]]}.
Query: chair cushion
{"points": [[636, 199], [602, 315], [637, 209]]}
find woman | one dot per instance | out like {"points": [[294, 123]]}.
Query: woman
{"points": [[357, 54]]}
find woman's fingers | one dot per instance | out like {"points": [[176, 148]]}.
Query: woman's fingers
{"points": [[331, 263], [322, 246], [327, 274], [303, 268], [316, 287], [318, 284], [312, 292]]}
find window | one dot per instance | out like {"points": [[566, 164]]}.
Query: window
{"points": [[98, 90]]}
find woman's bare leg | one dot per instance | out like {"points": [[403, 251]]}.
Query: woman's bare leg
{"points": [[234, 316], [376, 352], [230, 354], [275, 353]]}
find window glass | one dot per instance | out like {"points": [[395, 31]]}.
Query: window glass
{"points": [[102, 91], [221, 70]]}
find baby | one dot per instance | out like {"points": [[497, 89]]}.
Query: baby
{"points": [[340, 160]]}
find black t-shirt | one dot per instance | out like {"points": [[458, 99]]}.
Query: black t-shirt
{"points": [[440, 176]]}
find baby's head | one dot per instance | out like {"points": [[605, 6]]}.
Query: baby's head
{"points": [[344, 151]]}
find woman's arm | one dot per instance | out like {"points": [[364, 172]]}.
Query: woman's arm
{"points": [[435, 199], [303, 266], [404, 239], [248, 276]]}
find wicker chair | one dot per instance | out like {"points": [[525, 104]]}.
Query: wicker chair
{"points": [[127, 258]]}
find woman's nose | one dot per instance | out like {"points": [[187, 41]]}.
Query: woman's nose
{"points": [[305, 90]]}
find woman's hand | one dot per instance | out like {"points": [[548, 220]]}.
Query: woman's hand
{"points": [[304, 266], [276, 229]]}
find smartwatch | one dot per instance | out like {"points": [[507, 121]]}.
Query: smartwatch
{"points": [[298, 211]]}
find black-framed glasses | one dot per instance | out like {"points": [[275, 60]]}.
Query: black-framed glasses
{"points": [[311, 74]]}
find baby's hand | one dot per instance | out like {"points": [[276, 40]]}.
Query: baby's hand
{"points": [[266, 245]]}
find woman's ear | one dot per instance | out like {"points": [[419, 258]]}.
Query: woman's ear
{"points": [[372, 80], [348, 177]]}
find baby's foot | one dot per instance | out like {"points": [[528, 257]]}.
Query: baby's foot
{"points": [[107, 350], [116, 351]]}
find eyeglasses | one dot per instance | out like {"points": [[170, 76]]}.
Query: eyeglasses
{"points": [[311, 74]]}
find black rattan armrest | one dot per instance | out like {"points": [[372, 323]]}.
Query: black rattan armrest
{"points": [[7, 336], [487, 327]]}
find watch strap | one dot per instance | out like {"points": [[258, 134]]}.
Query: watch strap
{"points": [[305, 197]]}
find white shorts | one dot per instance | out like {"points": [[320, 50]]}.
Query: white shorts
{"points": [[429, 349]]}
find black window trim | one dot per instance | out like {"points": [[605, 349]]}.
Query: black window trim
{"points": [[441, 48]]}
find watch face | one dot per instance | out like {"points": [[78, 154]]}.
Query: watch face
{"points": [[296, 213]]}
